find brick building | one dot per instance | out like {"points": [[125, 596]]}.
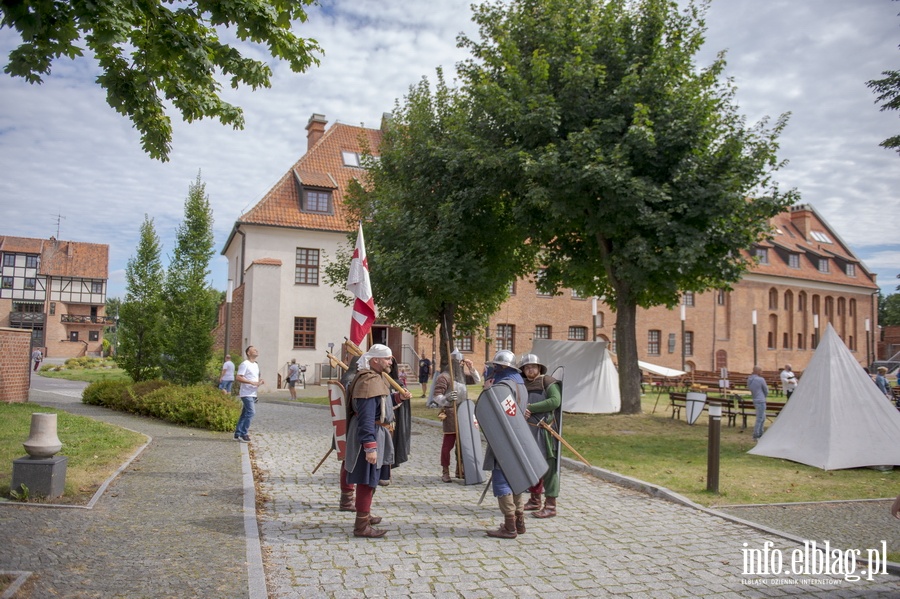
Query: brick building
{"points": [[806, 276], [57, 290]]}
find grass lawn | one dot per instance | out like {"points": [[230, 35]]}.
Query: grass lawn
{"points": [[669, 453], [88, 375], [95, 449]]}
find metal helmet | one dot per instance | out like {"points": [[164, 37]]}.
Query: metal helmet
{"points": [[505, 358], [532, 359], [456, 355]]}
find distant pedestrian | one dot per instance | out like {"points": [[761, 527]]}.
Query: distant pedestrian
{"points": [[248, 377], [882, 383], [292, 375], [37, 357], [788, 381], [424, 374], [226, 377], [759, 391]]}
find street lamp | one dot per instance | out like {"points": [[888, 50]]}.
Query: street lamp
{"points": [[683, 349], [868, 354], [816, 328], [594, 313], [753, 316]]}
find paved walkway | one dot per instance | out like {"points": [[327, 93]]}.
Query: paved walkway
{"points": [[175, 524]]}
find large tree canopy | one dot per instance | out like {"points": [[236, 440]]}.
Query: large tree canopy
{"points": [[442, 241], [150, 53], [641, 180]]}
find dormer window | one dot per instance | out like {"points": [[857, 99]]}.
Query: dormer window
{"points": [[763, 255], [823, 264], [850, 270], [794, 260], [315, 200]]}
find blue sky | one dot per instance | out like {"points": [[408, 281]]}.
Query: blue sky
{"points": [[72, 164]]}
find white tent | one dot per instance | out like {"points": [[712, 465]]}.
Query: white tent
{"points": [[591, 382], [837, 418], [661, 370]]}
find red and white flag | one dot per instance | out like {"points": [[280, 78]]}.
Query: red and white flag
{"points": [[358, 284]]}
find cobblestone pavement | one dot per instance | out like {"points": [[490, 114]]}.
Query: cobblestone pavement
{"points": [[606, 541], [170, 526]]}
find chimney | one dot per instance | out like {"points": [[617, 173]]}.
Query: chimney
{"points": [[315, 130], [801, 216]]}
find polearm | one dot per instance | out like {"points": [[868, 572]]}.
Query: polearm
{"points": [[335, 361], [486, 487], [356, 351], [542, 424], [460, 469]]}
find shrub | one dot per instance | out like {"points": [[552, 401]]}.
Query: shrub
{"points": [[104, 393]]}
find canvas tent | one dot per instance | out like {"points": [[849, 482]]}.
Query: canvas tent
{"points": [[591, 383], [661, 370], [837, 418]]}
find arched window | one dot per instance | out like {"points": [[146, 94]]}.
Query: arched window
{"points": [[788, 301], [772, 337], [773, 299]]}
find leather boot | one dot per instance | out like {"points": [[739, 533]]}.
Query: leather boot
{"points": [[363, 529], [347, 503], [520, 522], [373, 520], [507, 530], [445, 474], [534, 502], [549, 509]]}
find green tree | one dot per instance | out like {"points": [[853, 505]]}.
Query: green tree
{"points": [[190, 307], [889, 310], [141, 312], [113, 306], [444, 246], [151, 54], [641, 180]]}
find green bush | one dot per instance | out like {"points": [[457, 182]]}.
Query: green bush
{"points": [[199, 406], [104, 393]]}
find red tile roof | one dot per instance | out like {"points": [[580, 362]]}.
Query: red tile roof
{"points": [[63, 258], [322, 167]]}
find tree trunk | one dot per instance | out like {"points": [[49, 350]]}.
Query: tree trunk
{"points": [[626, 351]]}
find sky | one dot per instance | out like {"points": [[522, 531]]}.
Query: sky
{"points": [[73, 168]]}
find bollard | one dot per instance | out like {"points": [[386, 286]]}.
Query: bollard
{"points": [[712, 456]]}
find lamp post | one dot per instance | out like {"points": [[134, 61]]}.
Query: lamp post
{"points": [[712, 453], [753, 316], [868, 346], [594, 314], [816, 329], [116, 334], [683, 349], [228, 293]]}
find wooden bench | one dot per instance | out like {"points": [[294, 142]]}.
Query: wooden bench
{"points": [[747, 409], [677, 401]]}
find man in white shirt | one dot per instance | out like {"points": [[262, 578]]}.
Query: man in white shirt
{"points": [[248, 377], [226, 378], [788, 381]]}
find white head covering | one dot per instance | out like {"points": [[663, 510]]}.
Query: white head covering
{"points": [[376, 351], [456, 355]]}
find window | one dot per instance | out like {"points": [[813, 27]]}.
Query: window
{"points": [[93, 335], [512, 288], [306, 270], [599, 321], [689, 343], [720, 297], [30, 283], [576, 294], [653, 343], [539, 277], [823, 264], [505, 336], [52, 308], [304, 333], [464, 343], [773, 299], [577, 333], [762, 254], [671, 343], [801, 302], [9, 259], [819, 236], [542, 331], [316, 201], [688, 298], [31, 261], [96, 286], [7, 283], [850, 270], [794, 260], [350, 158]]}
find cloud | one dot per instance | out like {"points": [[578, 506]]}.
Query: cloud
{"points": [[71, 161]]}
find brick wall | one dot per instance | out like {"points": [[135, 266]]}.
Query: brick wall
{"points": [[15, 365], [237, 319]]}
